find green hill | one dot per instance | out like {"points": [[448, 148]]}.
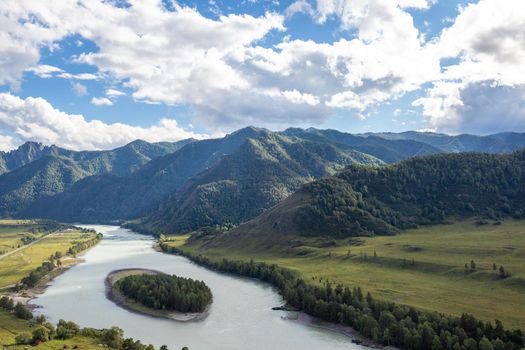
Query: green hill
{"points": [[365, 200], [261, 173]]}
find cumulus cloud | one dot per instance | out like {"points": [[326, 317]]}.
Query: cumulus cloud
{"points": [[101, 101], [483, 92], [477, 107], [180, 56], [219, 67], [36, 119], [45, 71], [114, 93]]}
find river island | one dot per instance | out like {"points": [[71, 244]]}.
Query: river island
{"points": [[156, 294]]}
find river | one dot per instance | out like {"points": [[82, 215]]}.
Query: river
{"points": [[240, 316]]}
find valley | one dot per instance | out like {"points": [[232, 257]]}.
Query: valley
{"points": [[398, 236], [262, 175], [424, 268]]}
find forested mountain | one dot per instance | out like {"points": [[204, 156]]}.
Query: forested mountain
{"points": [[496, 143], [363, 200], [388, 150], [106, 197], [120, 161], [43, 177], [264, 171], [34, 171], [188, 184], [219, 181]]}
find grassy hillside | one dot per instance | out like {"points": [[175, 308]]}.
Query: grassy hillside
{"points": [[264, 171], [380, 200], [424, 267]]}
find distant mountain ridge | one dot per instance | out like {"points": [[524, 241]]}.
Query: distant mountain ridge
{"points": [[495, 143], [119, 161], [176, 187]]}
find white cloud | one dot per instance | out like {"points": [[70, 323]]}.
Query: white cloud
{"points": [[484, 90], [300, 6], [114, 93], [219, 68], [7, 143], [44, 70], [79, 76], [101, 101], [297, 97], [79, 89], [416, 4], [479, 107], [36, 119]]}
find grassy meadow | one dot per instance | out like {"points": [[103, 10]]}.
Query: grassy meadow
{"points": [[12, 232], [18, 260], [15, 266], [423, 267]]}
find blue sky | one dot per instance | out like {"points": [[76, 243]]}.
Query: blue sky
{"points": [[104, 73]]}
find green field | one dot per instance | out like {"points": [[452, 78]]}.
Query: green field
{"points": [[436, 280], [16, 265], [19, 259], [13, 231]]}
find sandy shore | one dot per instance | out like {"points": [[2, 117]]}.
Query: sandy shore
{"points": [[118, 298]]}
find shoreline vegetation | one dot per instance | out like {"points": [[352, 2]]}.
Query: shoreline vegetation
{"points": [[114, 294], [384, 322]]}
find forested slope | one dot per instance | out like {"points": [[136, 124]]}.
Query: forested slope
{"points": [[365, 200]]}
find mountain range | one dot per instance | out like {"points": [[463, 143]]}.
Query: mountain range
{"points": [[181, 186]]}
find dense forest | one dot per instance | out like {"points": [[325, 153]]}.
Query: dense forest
{"points": [[385, 322], [364, 200], [165, 292]]}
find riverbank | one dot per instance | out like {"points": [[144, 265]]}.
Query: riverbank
{"points": [[71, 244], [294, 314], [357, 338], [27, 295], [113, 294]]}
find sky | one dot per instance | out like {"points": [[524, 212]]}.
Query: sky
{"points": [[92, 74]]}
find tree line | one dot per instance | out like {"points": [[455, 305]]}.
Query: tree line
{"points": [[165, 292], [385, 322]]}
